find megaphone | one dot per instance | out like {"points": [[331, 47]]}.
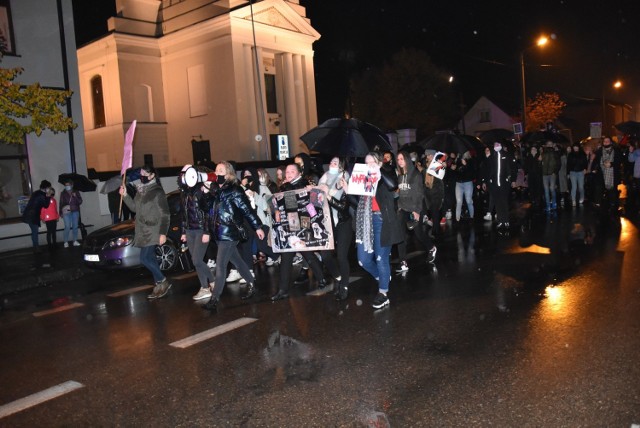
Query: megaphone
{"points": [[190, 176]]}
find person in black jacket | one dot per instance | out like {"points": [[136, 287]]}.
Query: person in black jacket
{"points": [[577, 166], [533, 169], [293, 181], [31, 214], [501, 179], [464, 173], [377, 228], [229, 207]]}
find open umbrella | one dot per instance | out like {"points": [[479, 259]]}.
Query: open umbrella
{"points": [[629, 127], [447, 143], [111, 184], [496, 135], [412, 147], [477, 143], [80, 182], [346, 137], [544, 136]]}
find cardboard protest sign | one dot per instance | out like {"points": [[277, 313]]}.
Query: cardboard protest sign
{"points": [[301, 221], [363, 181]]}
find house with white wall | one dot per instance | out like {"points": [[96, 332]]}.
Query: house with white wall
{"points": [[39, 37], [205, 80], [483, 116]]}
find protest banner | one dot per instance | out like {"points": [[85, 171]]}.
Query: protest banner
{"points": [[301, 221], [363, 181], [437, 167]]}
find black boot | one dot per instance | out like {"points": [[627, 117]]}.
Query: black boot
{"points": [[303, 277], [212, 304], [251, 291], [342, 293]]}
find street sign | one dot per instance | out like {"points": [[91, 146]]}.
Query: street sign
{"points": [[517, 128], [595, 129]]}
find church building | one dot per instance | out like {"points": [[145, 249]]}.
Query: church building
{"points": [[205, 80]]}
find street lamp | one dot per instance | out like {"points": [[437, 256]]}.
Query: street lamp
{"points": [[615, 85], [464, 129], [542, 40]]}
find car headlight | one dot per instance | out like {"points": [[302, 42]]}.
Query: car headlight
{"points": [[119, 242]]}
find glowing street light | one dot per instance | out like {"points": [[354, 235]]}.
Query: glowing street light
{"points": [[541, 42], [615, 85]]}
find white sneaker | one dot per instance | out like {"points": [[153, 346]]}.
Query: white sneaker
{"points": [[404, 267], [488, 217], [447, 215], [244, 281], [297, 260], [234, 275], [203, 293], [66, 245], [76, 244], [211, 264], [271, 262]]}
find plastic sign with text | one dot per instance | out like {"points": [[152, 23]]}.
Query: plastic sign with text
{"points": [[283, 147]]}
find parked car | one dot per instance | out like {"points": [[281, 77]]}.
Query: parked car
{"points": [[111, 247]]}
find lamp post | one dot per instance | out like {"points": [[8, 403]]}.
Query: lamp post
{"points": [[464, 128], [542, 40], [615, 85]]}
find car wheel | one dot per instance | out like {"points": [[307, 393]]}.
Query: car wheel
{"points": [[167, 256]]}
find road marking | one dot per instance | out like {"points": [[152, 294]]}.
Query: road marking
{"points": [[58, 309], [130, 291], [184, 275], [213, 332], [39, 398]]}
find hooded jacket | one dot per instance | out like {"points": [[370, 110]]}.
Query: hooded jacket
{"points": [[152, 214], [410, 188]]}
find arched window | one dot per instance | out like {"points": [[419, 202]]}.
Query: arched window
{"points": [[98, 102]]}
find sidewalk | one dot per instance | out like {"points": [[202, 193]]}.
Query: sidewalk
{"points": [[22, 270]]}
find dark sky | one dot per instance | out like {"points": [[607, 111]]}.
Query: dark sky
{"points": [[477, 41]]}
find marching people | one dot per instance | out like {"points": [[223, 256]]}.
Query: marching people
{"points": [[70, 201], [332, 184], [228, 209], [295, 181], [31, 214], [194, 203], [151, 225], [377, 228], [410, 207], [501, 179]]}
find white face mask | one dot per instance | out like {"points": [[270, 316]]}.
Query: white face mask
{"points": [[497, 148], [413, 158], [333, 170]]}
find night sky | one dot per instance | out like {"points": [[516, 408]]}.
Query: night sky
{"points": [[479, 42]]}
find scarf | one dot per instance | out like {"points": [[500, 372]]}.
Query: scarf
{"points": [[607, 173], [364, 224]]}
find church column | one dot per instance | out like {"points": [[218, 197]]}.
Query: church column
{"points": [[310, 91], [300, 92], [250, 90], [291, 111]]}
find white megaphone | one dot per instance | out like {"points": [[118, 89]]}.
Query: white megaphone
{"points": [[190, 176]]}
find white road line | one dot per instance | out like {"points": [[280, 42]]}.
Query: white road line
{"points": [[58, 309], [130, 291], [213, 332], [184, 275], [39, 397]]}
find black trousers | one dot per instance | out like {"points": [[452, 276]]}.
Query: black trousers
{"points": [[286, 266], [337, 261], [418, 231], [500, 196]]}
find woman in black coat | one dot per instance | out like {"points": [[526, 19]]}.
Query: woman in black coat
{"points": [[31, 214], [229, 208]]}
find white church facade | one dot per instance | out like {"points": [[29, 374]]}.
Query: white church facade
{"points": [[205, 80]]}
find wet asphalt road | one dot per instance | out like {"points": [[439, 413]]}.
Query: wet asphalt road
{"points": [[531, 328]]}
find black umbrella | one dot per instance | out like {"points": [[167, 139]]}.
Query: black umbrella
{"points": [[346, 137], [447, 143], [629, 127], [477, 143], [80, 182], [544, 136], [111, 184], [412, 148], [496, 135]]}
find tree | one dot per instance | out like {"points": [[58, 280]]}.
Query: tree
{"points": [[29, 109], [545, 108], [407, 92]]}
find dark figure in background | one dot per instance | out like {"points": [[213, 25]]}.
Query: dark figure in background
{"points": [[533, 169], [576, 167], [502, 167], [31, 213]]}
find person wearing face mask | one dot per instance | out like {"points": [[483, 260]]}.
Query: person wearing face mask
{"points": [[70, 201], [226, 214], [151, 225], [502, 169], [608, 167], [576, 166]]}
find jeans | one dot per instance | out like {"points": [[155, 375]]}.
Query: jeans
{"points": [[464, 190], [71, 222], [34, 234], [549, 183], [376, 263], [198, 250], [577, 182], [149, 260], [228, 252]]}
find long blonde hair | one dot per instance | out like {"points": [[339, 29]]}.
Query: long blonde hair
{"points": [[230, 176]]}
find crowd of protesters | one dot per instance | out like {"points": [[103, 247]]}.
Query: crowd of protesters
{"points": [[227, 216]]}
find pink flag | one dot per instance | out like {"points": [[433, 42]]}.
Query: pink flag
{"points": [[127, 158]]}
